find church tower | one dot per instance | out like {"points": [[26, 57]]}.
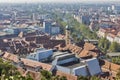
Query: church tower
{"points": [[67, 39]]}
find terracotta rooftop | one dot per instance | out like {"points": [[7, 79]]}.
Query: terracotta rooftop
{"points": [[11, 57], [33, 74], [118, 34], [68, 76], [34, 64], [108, 30], [102, 30], [27, 62], [89, 46], [112, 66], [87, 50], [111, 35], [21, 70], [86, 53]]}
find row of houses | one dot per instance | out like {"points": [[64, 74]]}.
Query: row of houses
{"points": [[113, 35], [88, 50]]}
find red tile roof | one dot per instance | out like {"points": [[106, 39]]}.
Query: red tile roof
{"points": [[86, 53], [68, 76], [118, 34], [21, 70], [27, 62], [87, 50], [33, 74], [111, 67], [89, 46], [11, 57], [102, 30], [34, 64], [111, 35]]}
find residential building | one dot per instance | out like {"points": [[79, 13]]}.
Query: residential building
{"points": [[85, 19], [117, 37], [47, 26], [110, 67], [51, 27], [55, 29], [110, 37], [101, 33]]}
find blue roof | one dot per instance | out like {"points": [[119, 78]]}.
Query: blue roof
{"points": [[93, 66]]}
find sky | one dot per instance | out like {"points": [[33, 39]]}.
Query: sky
{"points": [[31, 1]]}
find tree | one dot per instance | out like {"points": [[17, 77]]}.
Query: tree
{"points": [[63, 78], [94, 78], [116, 60], [114, 47], [103, 44], [46, 75], [9, 72], [118, 75], [82, 78]]}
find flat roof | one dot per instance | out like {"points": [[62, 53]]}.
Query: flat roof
{"points": [[41, 50], [55, 54], [114, 54], [65, 55], [72, 65]]}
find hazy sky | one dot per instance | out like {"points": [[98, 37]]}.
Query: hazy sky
{"points": [[29, 1]]}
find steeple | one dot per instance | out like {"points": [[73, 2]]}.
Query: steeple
{"points": [[67, 40]]}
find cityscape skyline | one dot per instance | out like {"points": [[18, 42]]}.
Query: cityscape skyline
{"points": [[60, 39], [63, 1]]}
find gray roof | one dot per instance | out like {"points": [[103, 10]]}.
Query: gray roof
{"points": [[76, 65], [65, 56], [59, 53], [82, 71], [93, 66], [113, 54]]}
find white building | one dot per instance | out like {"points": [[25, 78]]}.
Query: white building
{"points": [[101, 33], [110, 37], [113, 7], [117, 37]]}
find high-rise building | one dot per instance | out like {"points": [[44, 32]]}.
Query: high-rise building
{"points": [[15, 15], [85, 19], [109, 9], [33, 16], [47, 26], [113, 7]]}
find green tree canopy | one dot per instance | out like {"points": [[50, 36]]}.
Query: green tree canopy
{"points": [[103, 44], [10, 72], [82, 78], [114, 47], [94, 78], [118, 75]]}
